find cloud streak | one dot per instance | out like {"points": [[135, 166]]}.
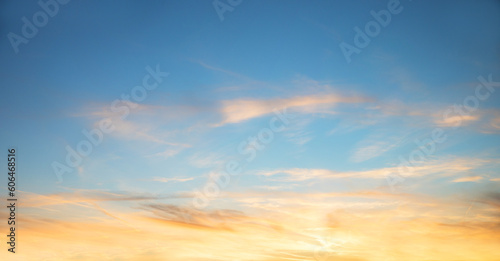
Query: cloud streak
{"points": [[468, 179], [432, 167], [239, 110]]}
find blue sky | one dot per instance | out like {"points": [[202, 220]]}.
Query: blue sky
{"points": [[352, 121]]}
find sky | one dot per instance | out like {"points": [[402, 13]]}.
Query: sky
{"points": [[251, 130]]}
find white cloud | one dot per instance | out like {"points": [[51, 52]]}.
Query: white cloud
{"points": [[446, 167], [375, 146], [162, 179]]}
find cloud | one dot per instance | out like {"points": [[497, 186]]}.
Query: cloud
{"points": [[371, 151], [267, 226], [404, 79], [140, 121], [170, 152], [495, 122], [145, 124], [456, 120], [217, 69], [481, 120], [81, 196], [375, 146], [192, 216], [239, 110], [493, 199], [161, 179], [297, 133], [491, 125], [401, 108], [431, 115], [207, 159], [431, 167], [468, 179]]}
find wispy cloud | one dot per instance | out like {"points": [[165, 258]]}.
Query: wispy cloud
{"points": [[239, 110], [170, 152], [143, 122], [218, 69], [492, 123], [162, 179], [339, 223], [432, 167], [455, 120], [79, 196], [375, 146], [468, 179]]}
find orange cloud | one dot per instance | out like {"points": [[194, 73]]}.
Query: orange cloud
{"points": [[367, 225]]}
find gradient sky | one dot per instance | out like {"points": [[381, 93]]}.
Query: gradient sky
{"points": [[323, 188]]}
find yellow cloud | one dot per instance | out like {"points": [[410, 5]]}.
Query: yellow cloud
{"points": [[366, 225]]}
